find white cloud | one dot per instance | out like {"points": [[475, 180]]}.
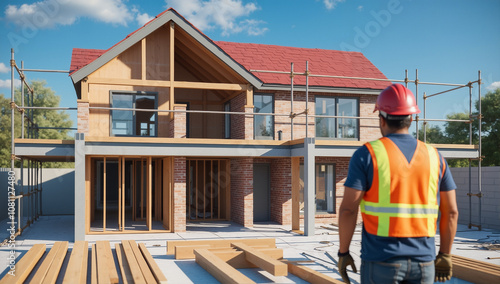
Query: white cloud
{"points": [[3, 68], [331, 4], [223, 14], [142, 19], [6, 83], [49, 13], [493, 86], [360, 8]]}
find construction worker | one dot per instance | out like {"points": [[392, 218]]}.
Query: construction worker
{"points": [[400, 184]]}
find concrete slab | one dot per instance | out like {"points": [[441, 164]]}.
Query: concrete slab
{"points": [[49, 229]]}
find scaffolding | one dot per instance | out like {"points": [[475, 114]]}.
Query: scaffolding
{"points": [[32, 199]]}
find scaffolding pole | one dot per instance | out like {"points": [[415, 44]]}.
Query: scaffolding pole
{"points": [[291, 102]]}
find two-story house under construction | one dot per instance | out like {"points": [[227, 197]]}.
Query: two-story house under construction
{"points": [[174, 128]]}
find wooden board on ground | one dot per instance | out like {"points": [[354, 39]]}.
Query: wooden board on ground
{"points": [[57, 262], [238, 260], [159, 276], [135, 270], [123, 264], [273, 266], [93, 265], [77, 265], [311, 275], [43, 269], [146, 272], [475, 271], [219, 269], [25, 265], [270, 242]]}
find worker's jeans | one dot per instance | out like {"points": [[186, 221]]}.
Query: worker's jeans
{"points": [[399, 270]]}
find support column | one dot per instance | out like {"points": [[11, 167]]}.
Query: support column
{"points": [[179, 194], [242, 191], [248, 123], [83, 116], [178, 123], [309, 186], [79, 187], [295, 168]]}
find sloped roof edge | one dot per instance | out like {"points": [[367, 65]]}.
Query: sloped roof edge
{"points": [[163, 18], [320, 89]]}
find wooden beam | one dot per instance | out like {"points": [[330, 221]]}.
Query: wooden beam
{"points": [[77, 264], [219, 269], [295, 193], [210, 86], [123, 264], [237, 259], [93, 265], [123, 194], [129, 82], [47, 262], [143, 59], [475, 271], [158, 275], [120, 194], [88, 193], [311, 275], [166, 194], [56, 263], [84, 85], [172, 68], [249, 92], [149, 198], [219, 243], [106, 268], [135, 270], [25, 265], [254, 256], [143, 265], [104, 177]]}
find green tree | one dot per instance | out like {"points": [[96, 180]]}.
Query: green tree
{"points": [[491, 126], [43, 96]]}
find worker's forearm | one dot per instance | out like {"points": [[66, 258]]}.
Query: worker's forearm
{"points": [[447, 230], [347, 225]]}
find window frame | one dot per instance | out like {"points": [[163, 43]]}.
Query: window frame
{"points": [[134, 94], [357, 99], [334, 188], [272, 137]]}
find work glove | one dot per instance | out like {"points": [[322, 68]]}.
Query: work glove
{"points": [[345, 259], [443, 267]]}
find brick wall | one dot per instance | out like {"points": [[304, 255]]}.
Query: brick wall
{"points": [[237, 120], [368, 128], [179, 194], [177, 125], [242, 191], [83, 117], [281, 190]]}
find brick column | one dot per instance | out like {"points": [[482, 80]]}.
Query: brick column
{"points": [[281, 190], [248, 123], [83, 116], [178, 123], [179, 194], [242, 191]]}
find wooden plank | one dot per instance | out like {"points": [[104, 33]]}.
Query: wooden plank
{"points": [[83, 275], [187, 252], [129, 82], [57, 262], [295, 193], [311, 275], [146, 271], [171, 100], [238, 260], [25, 265], [135, 270], [475, 271], [209, 86], [166, 194], [75, 264], [273, 266], [93, 265], [123, 264], [153, 266], [42, 270], [219, 269], [149, 198], [106, 262], [104, 195], [88, 193], [143, 59], [269, 242]]}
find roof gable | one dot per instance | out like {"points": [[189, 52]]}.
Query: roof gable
{"points": [[85, 62]]}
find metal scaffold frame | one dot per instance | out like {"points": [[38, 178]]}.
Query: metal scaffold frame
{"points": [[34, 168]]}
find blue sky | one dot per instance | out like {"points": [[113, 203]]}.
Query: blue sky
{"points": [[447, 40]]}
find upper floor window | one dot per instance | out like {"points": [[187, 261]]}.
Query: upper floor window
{"points": [[133, 123], [263, 124], [330, 127]]}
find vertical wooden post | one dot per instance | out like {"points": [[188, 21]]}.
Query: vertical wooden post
{"points": [[143, 59], [196, 193], [211, 177], [228, 190], [88, 194], [172, 69], [295, 193], [166, 193], [133, 189], [218, 187], [142, 189], [104, 195], [123, 193], [149, 195], [119, 194]]}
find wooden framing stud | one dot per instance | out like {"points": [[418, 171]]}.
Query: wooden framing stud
{"points": [[158, 275], [25, 265], [311, 275], [260, 259], [219, 269], [77, 265]]}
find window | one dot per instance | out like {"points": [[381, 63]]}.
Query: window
{"points": [[133, 123], [263, 124], [330, 127], [325, 188]]}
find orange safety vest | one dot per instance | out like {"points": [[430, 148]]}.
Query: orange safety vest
{"points": [[402, 201]]}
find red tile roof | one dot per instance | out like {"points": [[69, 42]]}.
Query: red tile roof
{"points": [[278, 58], [321, 62]]}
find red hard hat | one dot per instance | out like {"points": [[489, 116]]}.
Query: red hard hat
{"points": [[397, 100]]}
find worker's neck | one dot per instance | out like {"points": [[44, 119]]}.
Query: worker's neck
{"points": [[396, 131]]}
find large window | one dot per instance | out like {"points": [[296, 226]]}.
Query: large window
{"points": [[263, 124], [133, 123], [325, 189], [330, 127]]}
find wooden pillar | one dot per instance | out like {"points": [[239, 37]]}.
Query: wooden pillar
{"points": [[88, 194], [119, 194], [143, 59], [172, 69], [104, 196], [123, 193], [149, 189], [167, 191]]}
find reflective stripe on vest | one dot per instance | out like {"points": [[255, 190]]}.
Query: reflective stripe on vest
{"points": [[402, 201]]}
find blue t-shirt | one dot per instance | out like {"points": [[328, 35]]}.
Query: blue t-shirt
{"points": [[360, 176]]}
